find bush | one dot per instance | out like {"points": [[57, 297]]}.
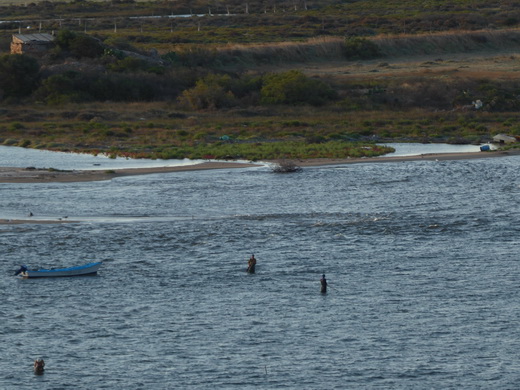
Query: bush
{"points": [[64, 39], [79, 45], [62, 88], [83, 87], [16, 126], [86, 46], [128, 64], [293, 87], [120, 43], [212, 92], [357, 48], [19, 75]]}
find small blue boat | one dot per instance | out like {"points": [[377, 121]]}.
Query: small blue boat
{"points": [[81, 270]]}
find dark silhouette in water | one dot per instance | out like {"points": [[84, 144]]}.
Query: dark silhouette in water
{"points": [[323, 282], [39, 366], [251, 264], [22, 269]]}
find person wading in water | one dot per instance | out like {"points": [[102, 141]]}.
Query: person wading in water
{"points": [[251, 264], [323, 282], [39, 366]]}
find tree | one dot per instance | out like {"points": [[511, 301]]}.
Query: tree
{"points": [[61, 88], [79, 45], [86, 46], [19, 75]]}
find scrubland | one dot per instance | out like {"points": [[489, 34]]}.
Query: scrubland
{"points": [[309, 80]]}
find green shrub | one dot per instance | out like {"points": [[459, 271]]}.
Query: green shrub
{"points": [[19, 75], [212, 92], [133, 65], [128, 64], [119, 43], [357, 48], [10, 142], [293, 123], [16, 126], [171, 57], [86, 46], [293, 87], [79, 45]]}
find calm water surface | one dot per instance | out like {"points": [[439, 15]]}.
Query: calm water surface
{"points": [[422, 260], [25, 157]]}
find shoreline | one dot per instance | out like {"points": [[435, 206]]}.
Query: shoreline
{"points": [[420, 157], [23, 175]]}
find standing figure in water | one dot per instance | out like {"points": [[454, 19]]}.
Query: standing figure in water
{"points": [[39, 366], [251, 264], [323, 282]]}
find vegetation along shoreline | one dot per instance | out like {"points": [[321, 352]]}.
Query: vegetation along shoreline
{"points": [[273, 80]]}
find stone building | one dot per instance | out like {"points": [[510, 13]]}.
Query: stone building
{"points": [[31, 43]]}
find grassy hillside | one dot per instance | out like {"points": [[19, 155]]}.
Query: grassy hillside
{"points": [[298, 79]]}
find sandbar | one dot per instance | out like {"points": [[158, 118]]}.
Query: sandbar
{"points": [[422, 157], [25, 175]]}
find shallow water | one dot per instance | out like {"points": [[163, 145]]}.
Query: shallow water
{"points": [[422, 260], [25, 157], [414, 149]]}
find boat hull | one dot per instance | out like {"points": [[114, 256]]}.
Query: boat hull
{"points": [[82, 270]]}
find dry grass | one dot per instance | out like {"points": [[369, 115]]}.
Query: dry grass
{"points": [[448, 42], [485, 54], [322, 48], [390, 46]]}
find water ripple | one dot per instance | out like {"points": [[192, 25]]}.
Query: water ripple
{"points": [[421, 260]]}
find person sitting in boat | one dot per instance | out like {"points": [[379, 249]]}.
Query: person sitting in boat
{"points": [[22, 270], [39, 366], [251, 264], [323, 282]]}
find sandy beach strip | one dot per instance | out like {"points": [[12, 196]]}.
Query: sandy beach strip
{"points": [[23, 175], [422, 157]]}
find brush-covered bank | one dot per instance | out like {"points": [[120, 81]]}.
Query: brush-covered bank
{"points": [[308, 100], [157, 130]]}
